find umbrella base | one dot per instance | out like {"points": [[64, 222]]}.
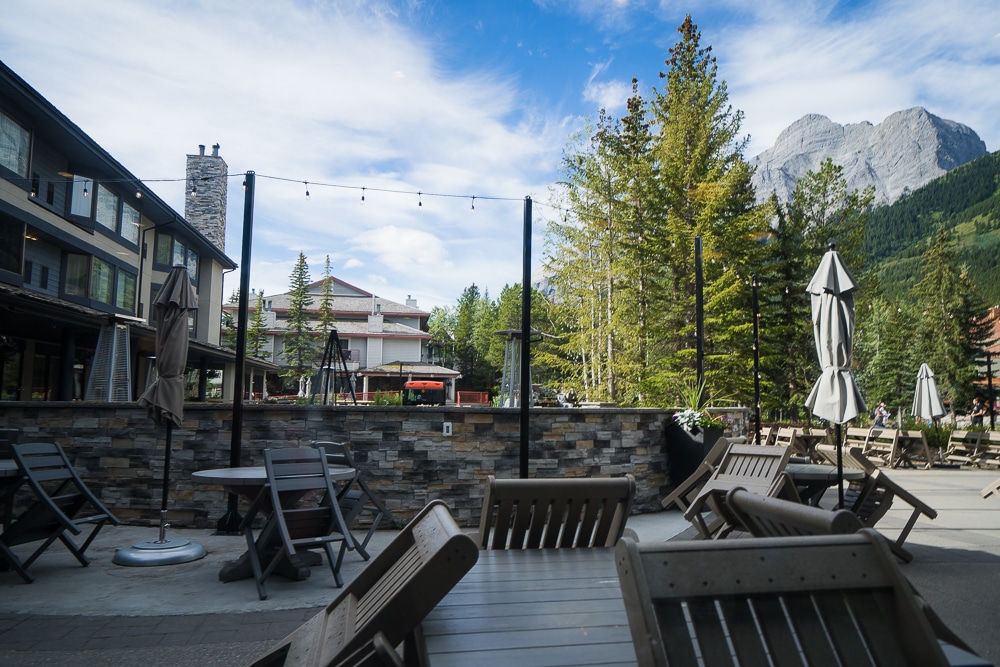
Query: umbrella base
{"points": [[156, 552]]}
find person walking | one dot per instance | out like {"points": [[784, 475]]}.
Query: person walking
{"points": [[881, 416], [978, 412]]}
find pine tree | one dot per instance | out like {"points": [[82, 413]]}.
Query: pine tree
{"points": [[299, 350], [257, 329], [327, 318]]}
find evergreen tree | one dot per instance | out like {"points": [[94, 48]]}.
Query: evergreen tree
{"points": [[257, 329], [327, 319], [228, 338], [953, 329], [299, 351], [884, 353]]}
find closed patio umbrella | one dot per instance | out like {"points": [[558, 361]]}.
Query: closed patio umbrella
{"points": [[835, 396], [926, 400], [164, 401]]}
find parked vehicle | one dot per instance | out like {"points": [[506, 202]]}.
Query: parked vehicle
{"points": [[423, 392]]}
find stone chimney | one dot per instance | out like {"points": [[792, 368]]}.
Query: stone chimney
{"points": [[205, 194], [411, 302]]}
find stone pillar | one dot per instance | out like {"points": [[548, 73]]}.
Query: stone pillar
{"points": [[205, 195]]}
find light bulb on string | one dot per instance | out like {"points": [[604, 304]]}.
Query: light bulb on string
{"points": [[194, 187], [138, 194], [362, 196], [85, 193], [473, 203], [306, 183], [420, 201]]}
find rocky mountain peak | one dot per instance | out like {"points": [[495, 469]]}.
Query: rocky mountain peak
{"points": [[903, 152]]}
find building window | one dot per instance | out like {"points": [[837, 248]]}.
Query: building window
{"points": [[164, 249], [107, 208], [80, 201], [131, 222], [171, 251], [11, 244], [77, 274], [125, 292], [192, 265], [102, 280], [15, 145], [43, 278]]}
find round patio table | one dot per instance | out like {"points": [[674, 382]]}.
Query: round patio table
{"points": [[248, 482], [812, 479]]}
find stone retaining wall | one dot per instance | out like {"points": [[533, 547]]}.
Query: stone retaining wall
{"points": [[402, 450]]}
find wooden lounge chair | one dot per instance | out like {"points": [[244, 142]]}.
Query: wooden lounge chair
{"points": [[684, 492], [303, 515], [832, 599], [62, 505], [355, 497], [392, 595], [993, 488], [555, 513], [757, 469], [762, 516], [872, 497]]}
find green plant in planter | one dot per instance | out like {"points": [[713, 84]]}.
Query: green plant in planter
{"points": [[694, 416]]}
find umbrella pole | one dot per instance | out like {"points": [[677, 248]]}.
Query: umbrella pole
{"points": [[166, 483], [840, 466]]}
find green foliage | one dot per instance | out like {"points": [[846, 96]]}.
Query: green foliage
{"points": [[387, 398], [327, 318], [300, 343], [257, 329]]}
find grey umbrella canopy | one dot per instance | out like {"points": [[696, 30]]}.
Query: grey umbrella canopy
{"points": [[164, 400], [926, 401], [835, 396]]}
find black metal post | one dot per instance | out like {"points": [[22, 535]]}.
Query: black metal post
{"points": [[989, 386], [699, 318], [230, 522], [525, 402], [755, 307], [840, 466]]}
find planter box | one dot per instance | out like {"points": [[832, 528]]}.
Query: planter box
{"points": [[686, 450]]}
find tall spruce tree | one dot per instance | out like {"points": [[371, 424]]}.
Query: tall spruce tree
{"points": [[257, 328], [327, 318], [299, 351]]}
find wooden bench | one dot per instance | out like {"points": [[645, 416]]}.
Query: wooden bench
{"points": [[555, 513], [963, 447], [989, 450], [856, 437], [831, 599], [392, 595], [883, 445]]}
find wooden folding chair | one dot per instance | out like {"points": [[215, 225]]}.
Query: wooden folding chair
{"points": [[871, 498], [304, 514], [355, 497], [392, 595], [832, 599], [757, 469], [684, 492], [993, 488], [62, 504], [555, 513]]}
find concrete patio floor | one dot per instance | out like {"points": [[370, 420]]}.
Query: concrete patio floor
{"points": [[182, 615]]}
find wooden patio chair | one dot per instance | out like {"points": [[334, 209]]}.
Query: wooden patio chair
{"points": [[684, 492], [871, 498], [767, 436], [356, 499], [391, 596], [763, 516], [883, 446], [61, 507], [299, 498], [993, 488], [555, 513], [831, 599], [757, 469], [989, 450], [912, 448]]}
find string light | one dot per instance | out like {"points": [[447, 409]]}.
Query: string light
{"points": [[473, 203], [420, 201], [194, 187], [138, 194], [306, 183], [362, 196], [85, 193]]}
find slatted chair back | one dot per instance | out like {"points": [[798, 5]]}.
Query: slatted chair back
{"points": [[555, 513], [857, 437], [392, 595], [61, 506], [757, 469], [762, 516], [989, 454], [767, 436], [784, 437], [685, 491], [831, 599], [357, 500], [883, 444], [300, 497], [991, 489]]}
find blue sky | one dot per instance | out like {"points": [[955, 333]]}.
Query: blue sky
{"points": [[458, 98]]}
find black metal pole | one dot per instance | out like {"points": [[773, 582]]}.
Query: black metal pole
{"points": [[525, 401], [230, 522], [699, 318], [989, 385], [840, 466], [755, 306]]}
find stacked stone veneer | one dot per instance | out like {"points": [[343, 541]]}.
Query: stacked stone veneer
{"points": [[205, 208], [402, 451]]}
